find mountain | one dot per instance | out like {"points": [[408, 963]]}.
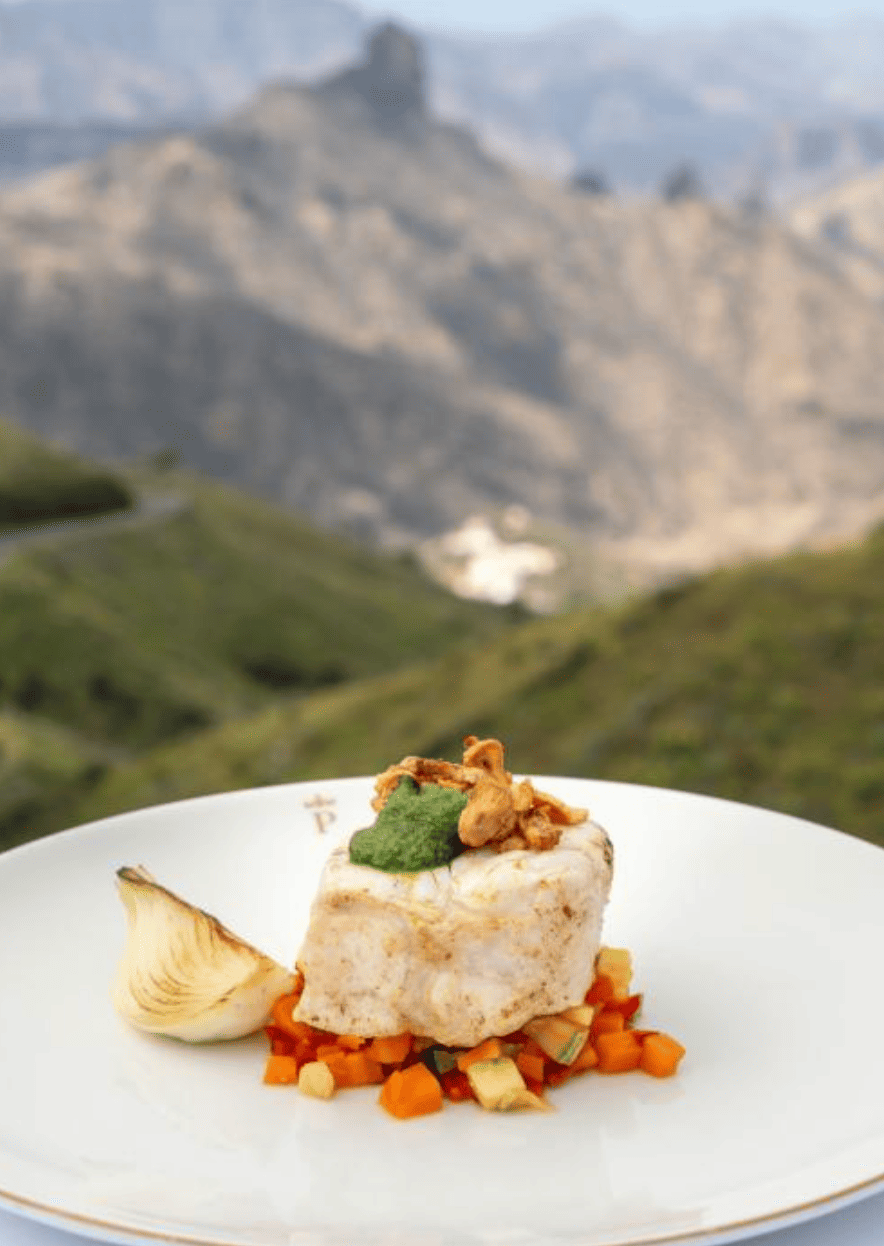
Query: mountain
{"points": [[29, 147], [761, 684], [341, 303], [80, 60], [848, 221], [757, 106]]}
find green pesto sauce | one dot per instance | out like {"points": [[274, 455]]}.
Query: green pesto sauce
{"points": [[415, 830]]}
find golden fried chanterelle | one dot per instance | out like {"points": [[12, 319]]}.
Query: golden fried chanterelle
{"points": [[499, 814]]}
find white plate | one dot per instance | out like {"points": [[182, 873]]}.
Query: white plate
{"points": [[757, 939]]}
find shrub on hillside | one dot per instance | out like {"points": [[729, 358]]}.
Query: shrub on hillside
{"points": [[42, 498]]}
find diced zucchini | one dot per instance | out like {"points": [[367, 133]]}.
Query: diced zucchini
{"points": [[580, 1014], [443, 1061], [316, 1079], [616, 964], [562, 1040], [500, 1087], [515, 1099]]}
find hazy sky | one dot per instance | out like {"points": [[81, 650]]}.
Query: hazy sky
{"points": [[515, 15]]}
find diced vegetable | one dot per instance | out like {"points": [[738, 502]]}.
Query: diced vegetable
{"points": [[514, 1100], [352, 1068], [608, 1021], [588, 1059], [390, 1050], [443, 1059], [616, 964], [351, 1041], [581, 1014], [530, 1066], [411, 1092], [329, 1051], [456, 1086], [601, 990], [281, 1017], [316, 1079], [557, 1074], [561, 1039], [660, 1055], [628, 1007], [502, 1073], [487, 1050], [618, 1053], [500, 1087], [280, 1070]]}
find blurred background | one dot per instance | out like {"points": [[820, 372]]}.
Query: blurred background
{"points": [[371, 377]]}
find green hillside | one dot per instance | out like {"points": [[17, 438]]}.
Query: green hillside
{"points": [[135, 634], [120, 635], [764, 684], [217, 643], [40, 484], [42, 768]]}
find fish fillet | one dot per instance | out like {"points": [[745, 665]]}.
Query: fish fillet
{"points": [[460, 953]]}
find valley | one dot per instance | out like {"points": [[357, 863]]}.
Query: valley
{"points": [[232, 646]]}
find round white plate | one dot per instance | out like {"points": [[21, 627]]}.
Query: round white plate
{"points": [[757, 939]]}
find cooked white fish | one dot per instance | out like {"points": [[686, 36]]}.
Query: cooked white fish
{"points": [[458, 953]]}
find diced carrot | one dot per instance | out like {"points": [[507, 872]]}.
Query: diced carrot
{"points": [[334, 1058], [411, 1086], [390, 1050], [608, 1021], [361, 1070], [282, 1019], [530, 1065], [351, 1068], [588, 1059], [660, 1055], [456, 1086], [411, 1092], [328, 1050], [281, 1014], [536, 1088], [352, 1042], [626, 1007], [601, 990], [556, 1074], [618, 1053], [281, 1070], [490, 1049], [281, 1044]]}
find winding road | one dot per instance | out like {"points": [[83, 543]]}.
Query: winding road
{"points": [[148, 509]]}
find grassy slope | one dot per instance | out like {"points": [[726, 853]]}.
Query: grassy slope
{"points": [[116, 638], [764, 684], [136, 634], [41, 766]]}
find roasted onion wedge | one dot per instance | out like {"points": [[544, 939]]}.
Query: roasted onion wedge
{"points": [[185, 975]]}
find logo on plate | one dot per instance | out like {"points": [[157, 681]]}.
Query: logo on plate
{"points": [[323, 809]]}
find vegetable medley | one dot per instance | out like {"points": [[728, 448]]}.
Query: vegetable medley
{"points": [[417, 1075]]}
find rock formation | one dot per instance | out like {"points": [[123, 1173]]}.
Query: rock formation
{"points": [[390, 80]]}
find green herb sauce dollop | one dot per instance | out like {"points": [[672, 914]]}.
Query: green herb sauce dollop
{"points": [[415, 830]]}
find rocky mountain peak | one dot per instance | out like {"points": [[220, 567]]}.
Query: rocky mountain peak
{"points": [[390, 79]]}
